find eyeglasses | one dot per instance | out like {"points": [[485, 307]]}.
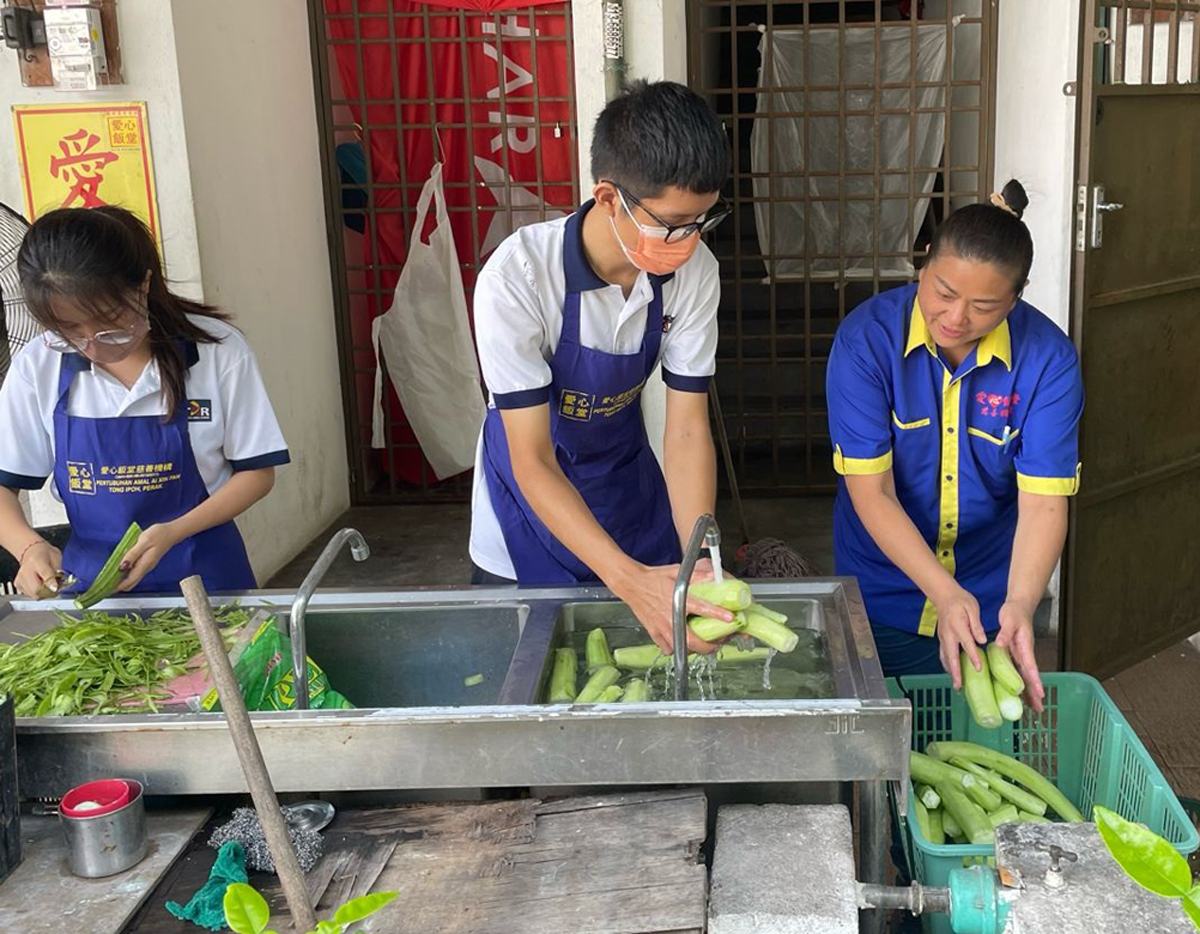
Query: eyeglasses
{"points": [[677, 232], [114, 339]]}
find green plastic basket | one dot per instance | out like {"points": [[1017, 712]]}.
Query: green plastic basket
{"points": [[1081, 742]]}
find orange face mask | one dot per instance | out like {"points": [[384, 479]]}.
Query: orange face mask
{"points": [[653, 254]]}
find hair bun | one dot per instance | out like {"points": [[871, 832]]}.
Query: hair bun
{"points": [[1012, 198]]}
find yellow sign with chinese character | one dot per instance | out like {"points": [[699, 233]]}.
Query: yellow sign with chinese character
{"points": [[87, 156]]}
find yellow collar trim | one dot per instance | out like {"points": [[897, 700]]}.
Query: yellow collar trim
{"points": [[996, 344]]}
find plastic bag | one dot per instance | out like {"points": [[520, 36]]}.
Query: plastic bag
{"points": [[264, 672], [425, 341]]}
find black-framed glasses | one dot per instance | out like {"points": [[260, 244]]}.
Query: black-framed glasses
{"points": [[673, 233]]}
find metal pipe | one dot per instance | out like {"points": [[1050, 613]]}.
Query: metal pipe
{"points": [[705, 532], [915, 898], [614, 48], [296, 630]]}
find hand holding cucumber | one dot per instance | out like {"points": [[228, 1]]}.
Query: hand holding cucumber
{"points": [[649, 593], [1016, 635], [959, 629]]}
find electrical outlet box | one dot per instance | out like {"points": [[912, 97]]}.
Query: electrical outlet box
{"points": [[75, 40]]}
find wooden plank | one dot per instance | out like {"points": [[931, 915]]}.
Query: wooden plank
{"points": [[615, 864], [42, 897]]}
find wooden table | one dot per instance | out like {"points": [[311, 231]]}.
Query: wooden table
{"points": [[611, 864]]}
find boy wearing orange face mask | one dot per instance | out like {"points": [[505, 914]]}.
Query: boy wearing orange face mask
{"points": [[571, 317]]}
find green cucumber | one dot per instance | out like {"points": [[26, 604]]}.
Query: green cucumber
{"points": [[981, 696], [1023, 799], [562, 677], [636, 692], [730, 594], [598, 654], [1011, 708], [603, 678], [769, 632], [967, 814], [937, 827], [1004, 672], [708, 629], [110, 574]]}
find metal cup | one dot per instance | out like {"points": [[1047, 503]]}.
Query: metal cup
{"points": [[108, 844]]}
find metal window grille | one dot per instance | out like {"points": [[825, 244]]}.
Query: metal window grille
{"points": [[890, 107], [352, 37], [1148, 41]]}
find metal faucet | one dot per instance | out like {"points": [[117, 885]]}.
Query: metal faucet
{"points": [[705, 534], [360, 552]]}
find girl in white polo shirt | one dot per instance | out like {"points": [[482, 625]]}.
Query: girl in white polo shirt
{"points": [[142, 405]]}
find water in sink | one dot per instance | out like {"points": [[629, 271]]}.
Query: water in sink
{"points": [[805, 672]]}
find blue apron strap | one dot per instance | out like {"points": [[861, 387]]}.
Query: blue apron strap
{"points": [[70, 364], [654, 322]]}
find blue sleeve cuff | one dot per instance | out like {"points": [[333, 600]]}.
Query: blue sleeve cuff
{"points": [[19, 481], [525, 399], [685, 383], [274, 459]]}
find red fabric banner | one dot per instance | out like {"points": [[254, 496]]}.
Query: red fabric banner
{"points": [[495, 133]]}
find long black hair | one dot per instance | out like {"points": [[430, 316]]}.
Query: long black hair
{"points": [[98, 258], [660, 134], [990, 233]]}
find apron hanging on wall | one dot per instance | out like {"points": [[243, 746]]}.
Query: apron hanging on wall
{"points": [[425, 340]]}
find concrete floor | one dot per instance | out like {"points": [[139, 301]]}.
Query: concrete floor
{"points": [[415, 546]]}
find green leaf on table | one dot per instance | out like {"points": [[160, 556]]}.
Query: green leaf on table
{"points": [[1191, 905], [246, 912], [1147, 858], [360, 908], [328, 927]]}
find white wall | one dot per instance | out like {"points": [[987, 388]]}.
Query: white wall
{"points": [[245, 71], [655, 49], [1037, 53], [148, 56]]}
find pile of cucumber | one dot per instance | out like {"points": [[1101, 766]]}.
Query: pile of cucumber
{"points": [[604, 666], [963, 791]]}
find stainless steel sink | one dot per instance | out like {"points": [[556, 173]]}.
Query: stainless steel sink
{"points": [[434, 656], [404, 658]]}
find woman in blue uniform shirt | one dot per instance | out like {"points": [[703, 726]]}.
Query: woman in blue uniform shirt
{"points": [[142, 405], [954, 409]]}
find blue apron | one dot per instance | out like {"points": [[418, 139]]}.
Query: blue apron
{"points": [[111, 472], [599, 437]]}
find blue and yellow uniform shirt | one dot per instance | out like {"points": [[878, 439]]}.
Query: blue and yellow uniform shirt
{"points": [[960, 443]]}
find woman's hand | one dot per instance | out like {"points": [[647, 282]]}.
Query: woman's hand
{"points": [[650, 593], [1016, 635], [147, 551], [40, 565], [959, 629]]}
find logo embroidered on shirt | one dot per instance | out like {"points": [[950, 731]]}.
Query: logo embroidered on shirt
{"points": [[996, 406], [576, 405], [199, 410]]}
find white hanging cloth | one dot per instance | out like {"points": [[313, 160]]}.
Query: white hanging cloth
{"points": [[425, 339]]}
